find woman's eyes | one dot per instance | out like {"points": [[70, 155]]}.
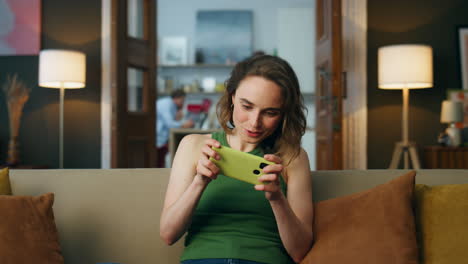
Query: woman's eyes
{"points": [[268, 113], [272, 113]]}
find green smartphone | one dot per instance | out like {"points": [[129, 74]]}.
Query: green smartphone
{"points": [[240, 165]]}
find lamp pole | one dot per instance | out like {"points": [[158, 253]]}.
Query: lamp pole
{"points": [[405, 148], [405, 118], [62, 95]]}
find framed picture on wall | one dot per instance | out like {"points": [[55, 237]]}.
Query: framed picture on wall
{"points": [[223, 36], [463, 49], [20, 27], [173, 51]]}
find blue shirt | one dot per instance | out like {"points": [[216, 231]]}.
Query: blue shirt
{"points": [[166, 111]]}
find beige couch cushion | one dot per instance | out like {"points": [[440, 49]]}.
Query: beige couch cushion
{"points": [[105, 215]]}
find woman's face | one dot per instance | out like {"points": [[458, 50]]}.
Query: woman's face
{"points": [[257, 109]]}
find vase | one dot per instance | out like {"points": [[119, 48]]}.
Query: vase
{"points": [[13, 152]]}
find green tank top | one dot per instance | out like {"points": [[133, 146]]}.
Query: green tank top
{"points": [[233, 220]]}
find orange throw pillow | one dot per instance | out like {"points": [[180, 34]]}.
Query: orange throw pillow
{"points": [[27, 230], [373, 226]]}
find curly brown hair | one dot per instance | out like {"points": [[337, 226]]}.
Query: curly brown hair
{"points": [[286, 140]]}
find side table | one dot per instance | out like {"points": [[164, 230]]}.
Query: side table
{"points": [[440, 157]]}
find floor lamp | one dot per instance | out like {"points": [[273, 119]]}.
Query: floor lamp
{"points": [[62, 69], [405, 67]]}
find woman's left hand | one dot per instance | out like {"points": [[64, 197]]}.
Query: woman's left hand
{"points": [[271, 178]]}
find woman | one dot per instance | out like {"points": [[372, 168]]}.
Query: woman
{"points": [[261, 112]]}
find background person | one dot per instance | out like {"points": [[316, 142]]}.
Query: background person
{"points": [[169, 114]]}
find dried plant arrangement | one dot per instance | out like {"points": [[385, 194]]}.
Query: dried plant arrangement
{"points": [[16, 95]]}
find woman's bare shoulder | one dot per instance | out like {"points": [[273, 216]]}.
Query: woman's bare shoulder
{"points": [[298, 164], [302, 157], [189, 149], [194, 141], [196, 138]]}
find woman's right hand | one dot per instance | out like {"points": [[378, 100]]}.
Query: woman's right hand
{"points": [[206, 169]]}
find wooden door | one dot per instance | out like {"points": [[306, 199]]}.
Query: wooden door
{"points": [[133, 74], [329, 83]]}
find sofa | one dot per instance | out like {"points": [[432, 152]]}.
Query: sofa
{"points": [[112, 215]]}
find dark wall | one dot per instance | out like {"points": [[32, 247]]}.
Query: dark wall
{"points": [[431, 22], [65, 25]]}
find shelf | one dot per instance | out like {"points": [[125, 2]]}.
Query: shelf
{"points": [[220, 93], [196, 66], [197, 93]]}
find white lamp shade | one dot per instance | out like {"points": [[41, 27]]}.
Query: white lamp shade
{"points": [[62, 69], [405, 66], [452, 111]]}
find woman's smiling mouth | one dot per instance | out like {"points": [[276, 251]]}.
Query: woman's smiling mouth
{"points": [[253, 133]]}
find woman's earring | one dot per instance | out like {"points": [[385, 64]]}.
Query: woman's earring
{"points": [[231, 120]]}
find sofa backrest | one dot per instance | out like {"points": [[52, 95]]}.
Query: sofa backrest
{"points": [[331, 184], [112, 215], [104, 215]]}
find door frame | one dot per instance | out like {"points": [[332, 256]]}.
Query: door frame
{"points": [[354, 28], [115, 142], [106, 83]]}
